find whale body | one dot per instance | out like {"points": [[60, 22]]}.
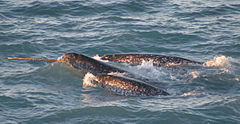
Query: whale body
{"points": [[88, 64], [157, 60], [126, 86], [119, 85]]}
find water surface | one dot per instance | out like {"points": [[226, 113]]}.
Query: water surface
{"points": [[43, 92]]}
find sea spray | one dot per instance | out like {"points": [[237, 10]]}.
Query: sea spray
{"points": [[88, 79], [221, 63], [218, 61]]}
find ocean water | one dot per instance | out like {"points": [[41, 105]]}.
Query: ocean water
{"points": [[33, 92]]}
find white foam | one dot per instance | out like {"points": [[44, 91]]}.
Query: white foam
{"points": [[218, 61], [194, 74], [192, 94], [97, 57], [148, 70], [88, 79]]}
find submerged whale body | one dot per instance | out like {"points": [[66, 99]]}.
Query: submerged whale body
{"points": [[116, 84], [126, 86], [157, 60]]}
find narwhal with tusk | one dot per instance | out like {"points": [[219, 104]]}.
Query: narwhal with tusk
{"points": [[118, 84], [88, 64]]}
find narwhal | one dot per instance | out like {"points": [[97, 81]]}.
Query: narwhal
{"points": [[121, 85], [157, 60]]}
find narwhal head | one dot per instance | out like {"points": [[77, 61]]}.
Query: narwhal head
{"points": [[78, 61], [68, 58]]}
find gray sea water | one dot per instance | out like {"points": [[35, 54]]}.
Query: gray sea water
{"points": [[33, 92]]}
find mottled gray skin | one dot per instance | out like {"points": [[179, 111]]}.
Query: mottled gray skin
{"points": [[127, 87], [87, 64], [157, 60], [98, 68]]}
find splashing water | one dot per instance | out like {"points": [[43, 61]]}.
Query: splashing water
{"points": [[153, 73], [147, 69], [218, 67], [88, 79], [221, 63], [218, 61], [97, 57]]}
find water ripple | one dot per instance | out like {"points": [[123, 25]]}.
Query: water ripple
{"points": [[42, 92]]}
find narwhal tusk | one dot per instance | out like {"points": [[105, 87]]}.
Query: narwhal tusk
{"points": [[34, 59]]}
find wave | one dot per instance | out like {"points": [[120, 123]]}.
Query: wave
{"points": [[78, 8], [206, 11], [18, 48]]}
